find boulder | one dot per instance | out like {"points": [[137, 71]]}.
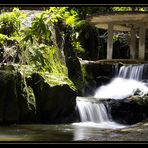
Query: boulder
{"points": [[127, 111], [26, 100], [17, 102], [55, 104], [30, 98], [9, 111]]}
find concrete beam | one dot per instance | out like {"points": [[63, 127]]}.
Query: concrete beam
{"points": [[115, 28]]}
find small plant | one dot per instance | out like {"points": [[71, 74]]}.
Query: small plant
{"points": [[78, 47], [10, 22]]}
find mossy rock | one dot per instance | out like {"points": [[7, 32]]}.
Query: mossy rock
{"points": [[55, 104], [17, 101], [26, 101], [9, 111], [32, 98]]}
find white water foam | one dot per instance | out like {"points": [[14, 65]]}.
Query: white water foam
{"points": [[94, 115], [120, 88], [101, 125], [94, 112]]}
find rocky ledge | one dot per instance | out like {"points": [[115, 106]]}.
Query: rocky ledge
{"points": [[32, 99]]}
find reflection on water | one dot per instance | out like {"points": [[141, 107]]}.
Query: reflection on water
{"points": [[49, 133], [85, 130], [36, 133]]}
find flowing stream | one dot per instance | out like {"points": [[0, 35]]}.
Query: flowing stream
{"points": [[95, 121]]}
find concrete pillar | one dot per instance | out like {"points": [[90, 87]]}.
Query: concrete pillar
{"points": [[110, 41], [141, 54], [133, 44]]}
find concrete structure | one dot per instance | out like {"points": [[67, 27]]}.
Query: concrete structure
{"points": [[135, 22]]}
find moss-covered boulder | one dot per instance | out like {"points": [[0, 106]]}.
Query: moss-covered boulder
{"points": [[28, 97], [26, 100], [9, 111], [55, 103], [17, 101]]}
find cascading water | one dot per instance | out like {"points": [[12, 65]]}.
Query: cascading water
{"points": [[124, 85], [95, 112], [131, 72], [91, 111]]}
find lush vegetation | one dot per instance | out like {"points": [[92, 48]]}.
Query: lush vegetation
{"points": [[33, 45], [38, 39]]}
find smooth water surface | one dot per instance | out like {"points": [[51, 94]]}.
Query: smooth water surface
{"points": [[53, 133]]}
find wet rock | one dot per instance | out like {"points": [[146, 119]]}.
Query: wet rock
{"points": [[140, 97], [17, 101], [101, 73], [55, 104], [127, 111], [96, 75], [26, 100], [9, 111]]}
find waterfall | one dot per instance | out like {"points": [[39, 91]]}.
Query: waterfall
{"points": [[93, 114], [92, 111], [131, 72], [136, 72], [124, 85]]}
